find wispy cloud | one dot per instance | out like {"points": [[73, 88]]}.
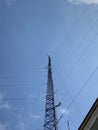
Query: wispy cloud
{"points": [[64, 111], [9, 2], [89, 2], [35, 117], [3, 126], [4, 104], [20, 125], [24, 122], [35, 96]]}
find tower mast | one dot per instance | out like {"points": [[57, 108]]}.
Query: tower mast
{"points": [[50, 111]]}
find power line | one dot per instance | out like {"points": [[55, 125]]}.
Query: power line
{"points": [[63, 107], [81, 55], [22, 75], [78, 18], [89, 78], [80, 42], [74, 65], [80, 33], [76, 105], [7, 71], [21, 85], [20, 99], [80, 30], [79, 92]]}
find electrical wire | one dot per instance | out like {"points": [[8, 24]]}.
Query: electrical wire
{"points": [[22, 85], [90, 75], [77, 47], [20, 99], [74, 65], [59, 44], [80, 33], [81, 89]]}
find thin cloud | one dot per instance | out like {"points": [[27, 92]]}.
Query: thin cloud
{"points": [[20, 125], [89, 2], [35, 117], [34, 96], [4, 104], [64, 111], [3, 126], [9, 2]]}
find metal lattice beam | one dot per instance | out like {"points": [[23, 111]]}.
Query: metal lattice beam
{"points": [[50, 112]]}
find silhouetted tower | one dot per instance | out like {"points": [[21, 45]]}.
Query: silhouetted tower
{"points": [[50, 112]]}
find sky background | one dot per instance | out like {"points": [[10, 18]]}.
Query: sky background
{"points": [[31, 29]]}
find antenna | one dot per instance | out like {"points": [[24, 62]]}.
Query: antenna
{"points": [[51, 121]]}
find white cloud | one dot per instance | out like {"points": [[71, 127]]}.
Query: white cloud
{"points": [[3, 126], [64, 111], [4, 104], [24, 121], [35, 117], [20, 125], [9, 2], [43, 95], [84, 1], [34, 96]]}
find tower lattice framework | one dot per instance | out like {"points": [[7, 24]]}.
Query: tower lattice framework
{"points": [[50, 111]]}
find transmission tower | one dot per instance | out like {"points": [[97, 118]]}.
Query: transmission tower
{"points": [[50, 107]]}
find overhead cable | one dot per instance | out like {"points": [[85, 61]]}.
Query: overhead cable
{"points": [[81, 89]]}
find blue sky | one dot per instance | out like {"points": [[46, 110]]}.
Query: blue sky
{"points": [[31, 29]]}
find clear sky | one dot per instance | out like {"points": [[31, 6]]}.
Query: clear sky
{"points": [[31, 29]]}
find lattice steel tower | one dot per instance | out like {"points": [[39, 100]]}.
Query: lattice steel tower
{"points": [[50, 112]]}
